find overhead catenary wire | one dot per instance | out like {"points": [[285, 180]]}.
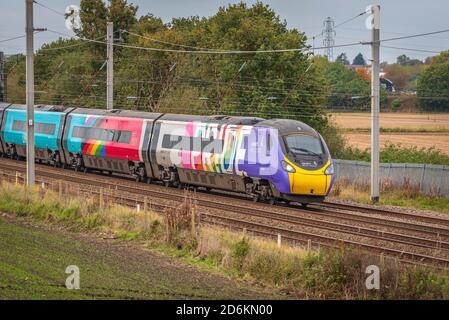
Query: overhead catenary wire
{"points": [[210, 51], [414, 35], [343, 23], [350, 19], [411, 49], [13, 38], [19, 37], [48, 8], [166, 42]]}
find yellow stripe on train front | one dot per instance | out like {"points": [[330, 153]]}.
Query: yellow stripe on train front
{"points": [[309, 182]]}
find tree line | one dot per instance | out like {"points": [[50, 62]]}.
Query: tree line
{"points": [[293, 85]]}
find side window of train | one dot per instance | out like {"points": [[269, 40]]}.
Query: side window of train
{"points": [[18, 125], [78, 132], [45, 128], [171, 141], [197, 144], [41, 128], [121, 136], [211, 145]]}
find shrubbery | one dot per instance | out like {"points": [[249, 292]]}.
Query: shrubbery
{"points": [[396, 153]]}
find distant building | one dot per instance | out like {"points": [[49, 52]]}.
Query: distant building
{"points": [[387, 84], [384, 82]]}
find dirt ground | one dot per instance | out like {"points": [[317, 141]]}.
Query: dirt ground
{"points": [[414, 129], [437, 140], [413, 121], [33, 260]]}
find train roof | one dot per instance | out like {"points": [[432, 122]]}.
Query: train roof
{"points": [[220, 119], [287, 126], [118, 113], [4, 105], [43, 107]]}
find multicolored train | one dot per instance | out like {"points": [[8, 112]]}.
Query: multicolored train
{"points": [[270, 160]]}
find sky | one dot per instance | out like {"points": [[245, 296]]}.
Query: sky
{"points": [[398, 18]]}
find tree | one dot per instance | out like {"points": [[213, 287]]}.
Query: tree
{"points": [[403, 60], [359, 60], [122, 14], [433, 85], [265, 85], [399, 75], [343, 59], [282, 85], [346, 88], [364, 74], [93, 15]]}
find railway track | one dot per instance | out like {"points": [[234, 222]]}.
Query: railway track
{"points": [[369, 210], [292, 223]]}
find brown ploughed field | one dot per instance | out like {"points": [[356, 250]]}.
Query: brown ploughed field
{"points": [[407, 129]]}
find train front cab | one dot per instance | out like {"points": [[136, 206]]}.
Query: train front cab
{"points": [[306, 160]]}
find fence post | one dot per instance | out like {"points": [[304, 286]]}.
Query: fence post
{"points": [[421, 181], [279, 240], [60, 189], [193, 221], [101, 198]]}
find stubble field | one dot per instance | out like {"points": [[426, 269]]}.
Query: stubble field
{"points": [[407, 129]]}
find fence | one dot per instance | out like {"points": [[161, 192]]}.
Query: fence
{"points": [[431, 179]]}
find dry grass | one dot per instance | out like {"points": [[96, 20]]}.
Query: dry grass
{"points": [[405, 195], [335, 274]]}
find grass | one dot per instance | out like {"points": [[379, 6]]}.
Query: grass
{"points": [[402, 196], [33, 262], [396, 153], [325, 274]]}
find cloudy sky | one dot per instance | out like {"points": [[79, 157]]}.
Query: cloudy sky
{"points": [[398, 18]]}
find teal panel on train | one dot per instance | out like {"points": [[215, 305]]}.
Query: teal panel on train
{"points": [[46, 127]]}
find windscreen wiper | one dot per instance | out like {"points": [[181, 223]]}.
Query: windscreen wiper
{"points": [[307, 151]]}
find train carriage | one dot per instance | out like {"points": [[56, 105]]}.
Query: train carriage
{"points": [[268, 159], [3, 107], [112, 141], [199, 150], [48, 125]]}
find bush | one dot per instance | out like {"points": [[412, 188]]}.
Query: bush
{"points": [[397, 153], [178, 224], [396, 104], [433, 85], [334, 140], [239, 252]]}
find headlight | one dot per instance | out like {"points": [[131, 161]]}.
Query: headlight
{"points": [[329, 170], [288, 167]]}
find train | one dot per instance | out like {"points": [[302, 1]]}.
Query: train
{"points": [[270, 160]]}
